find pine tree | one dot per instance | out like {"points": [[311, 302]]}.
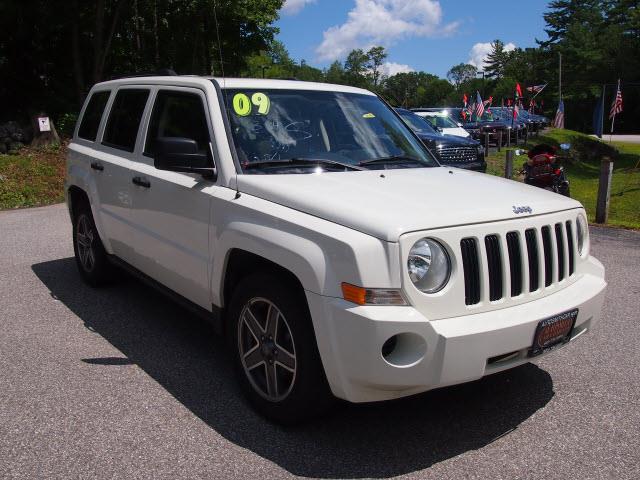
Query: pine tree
{"points": [[496, 60]]}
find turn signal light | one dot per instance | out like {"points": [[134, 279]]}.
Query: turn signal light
{"points": [[372, 296]]}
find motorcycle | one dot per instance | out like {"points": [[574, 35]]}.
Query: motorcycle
{"points": [[542, 169]]}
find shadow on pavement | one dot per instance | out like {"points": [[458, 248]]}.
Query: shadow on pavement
{"points": [[183, 355]]}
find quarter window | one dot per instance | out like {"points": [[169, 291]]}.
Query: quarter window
{"points": [[177, 114], [124, 119], [92, 115]]}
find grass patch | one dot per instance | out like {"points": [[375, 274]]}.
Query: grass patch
{"points": [[583, 170], [32, 178]]}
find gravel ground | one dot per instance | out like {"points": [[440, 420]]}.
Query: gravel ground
{"points": [[122, 383]]}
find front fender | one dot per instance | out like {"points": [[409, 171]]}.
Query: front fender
{"points": [[321, 254]]}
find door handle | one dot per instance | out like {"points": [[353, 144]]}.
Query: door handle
{"points": [[97, 166], [143, 182]]}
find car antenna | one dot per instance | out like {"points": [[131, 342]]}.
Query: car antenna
{"points": [[224, 80]]}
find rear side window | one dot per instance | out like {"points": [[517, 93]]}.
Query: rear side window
{"points": [[177, 114], [92, 115], [124, 119]]}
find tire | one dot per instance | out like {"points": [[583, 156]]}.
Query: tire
{"points": [[91, 257], [270, 331]]}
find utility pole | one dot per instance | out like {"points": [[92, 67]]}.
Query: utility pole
{"points": [[560, 77], [478, 73], [604, 86]]}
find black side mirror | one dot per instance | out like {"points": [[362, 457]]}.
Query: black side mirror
{"points": [[177, 154]]}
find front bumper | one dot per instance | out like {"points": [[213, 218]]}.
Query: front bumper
{"points": [[458, 350]]}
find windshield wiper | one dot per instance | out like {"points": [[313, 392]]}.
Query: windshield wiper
{"points": [[393, 158], [301, 161]]}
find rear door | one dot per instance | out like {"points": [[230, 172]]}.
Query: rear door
{"points": [[114, 166], [106, 143], [171, 209]]}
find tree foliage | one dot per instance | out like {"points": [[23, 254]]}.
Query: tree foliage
{"points": [[52, 52], [66, 47], [461, 73]]}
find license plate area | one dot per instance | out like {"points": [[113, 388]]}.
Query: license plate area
{"points": [[553, 332]]}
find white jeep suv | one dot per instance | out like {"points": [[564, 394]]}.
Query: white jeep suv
{"points": [[322, 238]]}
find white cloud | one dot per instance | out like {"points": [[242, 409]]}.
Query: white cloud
{"points": [[292, 7], [383, 22], [479, 52], [389, 69]]}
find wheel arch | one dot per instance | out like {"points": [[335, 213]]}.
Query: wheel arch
{"points": [[75, 197], [241, 263]]}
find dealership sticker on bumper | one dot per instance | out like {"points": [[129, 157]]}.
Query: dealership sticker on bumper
{"points": [[552, 332]]}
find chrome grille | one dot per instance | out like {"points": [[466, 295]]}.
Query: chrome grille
{"points": [[457, 154], [518, 253]]}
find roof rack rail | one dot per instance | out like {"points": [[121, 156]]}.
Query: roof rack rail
{"points": [[163, 72]]}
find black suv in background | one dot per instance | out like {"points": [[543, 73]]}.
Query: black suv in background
{"points": [[450, 150]]}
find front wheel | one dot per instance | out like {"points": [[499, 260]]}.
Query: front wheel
{"points": [[275, 351]]}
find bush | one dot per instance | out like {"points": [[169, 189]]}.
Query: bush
{"points": [[66, 124]]}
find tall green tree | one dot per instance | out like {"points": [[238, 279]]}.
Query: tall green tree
{"points": [[496, 60], [355, 67], [376, 57], [461, 73]]}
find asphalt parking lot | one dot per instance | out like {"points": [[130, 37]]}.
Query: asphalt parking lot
{"points": [[122, 383]]}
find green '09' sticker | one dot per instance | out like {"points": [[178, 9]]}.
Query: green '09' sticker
{"points": [[242, 106]]}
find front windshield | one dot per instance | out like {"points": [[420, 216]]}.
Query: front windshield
{"points": [[487, 116], [417, 123], [305, 131], [441, 121]]}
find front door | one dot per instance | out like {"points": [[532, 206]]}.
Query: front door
{"points": [[171, 210]]}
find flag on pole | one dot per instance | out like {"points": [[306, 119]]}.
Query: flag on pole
{"points": [[479, 110], [516, 101], [616, 106], [465, 101], [536, 88], [558, 121]]}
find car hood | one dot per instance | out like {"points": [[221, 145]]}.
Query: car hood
{"points": [[389, 203], [493, 124], [449, 140]]}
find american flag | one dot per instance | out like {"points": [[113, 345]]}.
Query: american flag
{"points": [[479, 110], [536, 88], [558, 122], [616, 106]]}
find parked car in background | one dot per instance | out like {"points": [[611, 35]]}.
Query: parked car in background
{"points": [[450, 150], [517, 127], [442, 122], [485, 124]]}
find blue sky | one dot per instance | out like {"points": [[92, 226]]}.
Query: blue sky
{"points": [[427, 35]]}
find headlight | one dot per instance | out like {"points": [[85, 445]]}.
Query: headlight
{"points": [[582, 233], [429, 265]]}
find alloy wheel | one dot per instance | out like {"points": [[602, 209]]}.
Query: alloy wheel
{"points": [[85, 237], [267, 350]]}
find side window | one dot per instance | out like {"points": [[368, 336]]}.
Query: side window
{"points": [[177, 114], [92, 115], [124, 119]]}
